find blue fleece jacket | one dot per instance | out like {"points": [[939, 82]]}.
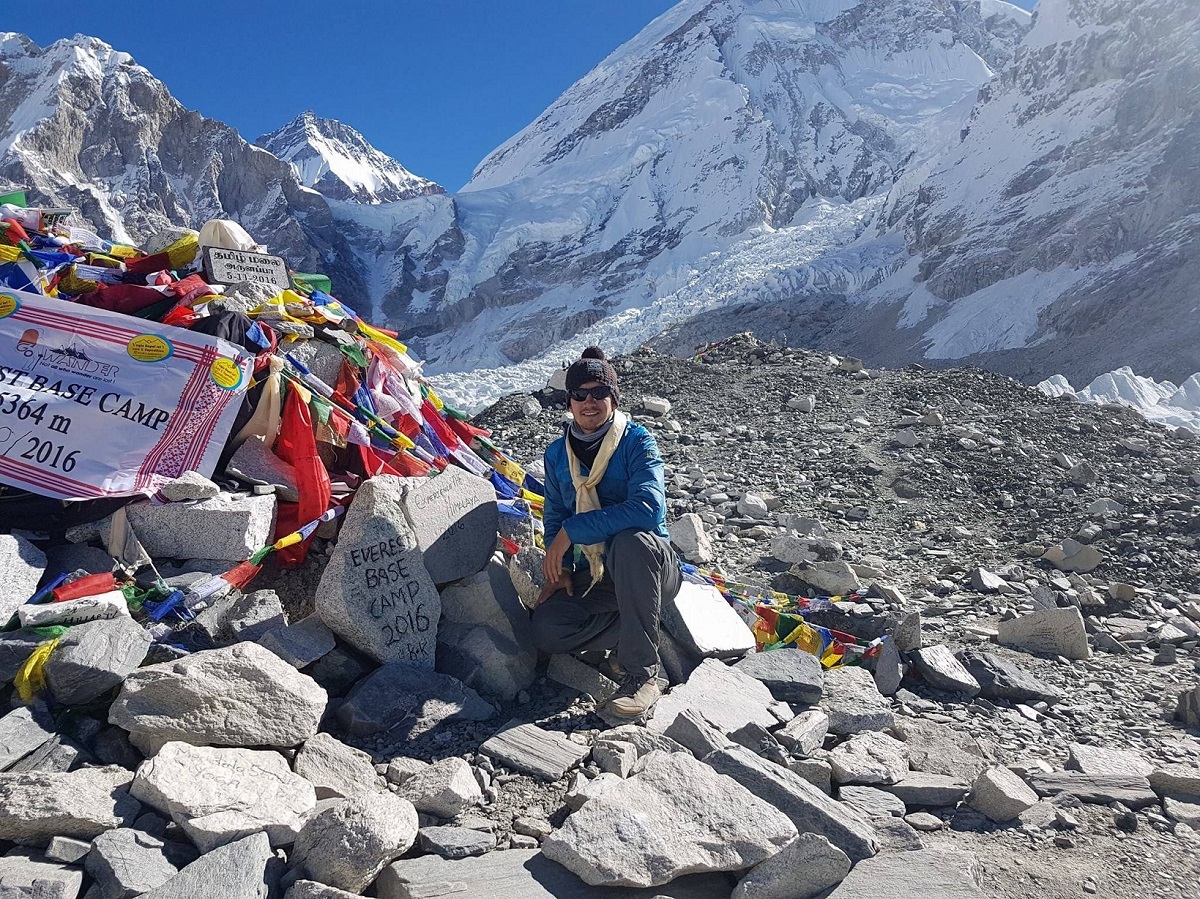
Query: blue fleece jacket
{"points": [[632, 492]]}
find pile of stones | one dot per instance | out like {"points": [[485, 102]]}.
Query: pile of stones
{"points": [[379, 723]]}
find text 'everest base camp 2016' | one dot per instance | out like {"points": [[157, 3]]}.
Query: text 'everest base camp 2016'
{"points": [[291, 439]]}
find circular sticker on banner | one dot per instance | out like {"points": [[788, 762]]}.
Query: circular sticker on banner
{"points": [[8, 304], [225, 373], [149, 348]]}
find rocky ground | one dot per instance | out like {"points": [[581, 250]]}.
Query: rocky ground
{"points": [[1029, 723]]}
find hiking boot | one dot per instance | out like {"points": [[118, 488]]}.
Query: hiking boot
{"points": [[635, 698]]}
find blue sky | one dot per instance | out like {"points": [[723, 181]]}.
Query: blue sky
{"points": [[436, 85]]}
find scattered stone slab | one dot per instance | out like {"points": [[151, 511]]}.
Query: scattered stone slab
{"points": [[726, 697], [924, 822], [94, 657], [255, 463], [897, 835], [82, 803], [219, 795], [375, 592], [238, 870], [229, 527], [21, 567], [1187, 707], [485, 660], [242, 695], [310, 889], [806, 732], [800, 870], [248, 616], [302, 643], [57, 754], [872, 802], [692, 730], [1055, 631], [455, 518], [15, 648], [1103, 760], [444, 789], [347, 845], [645, 831], [522, 874], [401, 768], [529, 748], [807, 807], [1132, 790], [584, 789], [984, 581], [455, 842], [853, 702], [1071, 555], [644, 740], [998, 678], [922, 790], [937, 749], [1184, 812], [702, 620], [1000, 795], [334, 769], [942, 671], [21, 732], [569, 671], [869, 758], [190, 485], [889, 669], [20, 869], [791, 674], [1178, 781], [125, 862], [926, 872], [690, 538], [408, 701], [68, 850], [828, 578]]}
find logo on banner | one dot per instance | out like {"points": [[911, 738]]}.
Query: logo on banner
{"points": [[226, 373], [73, 359], [8, 304], [150, 348]]}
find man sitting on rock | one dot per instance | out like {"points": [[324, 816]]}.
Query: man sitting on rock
{"points": [[605, 495]]}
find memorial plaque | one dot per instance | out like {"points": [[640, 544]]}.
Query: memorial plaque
{"points": [[223, 266], [375, 592], [456, 521]]}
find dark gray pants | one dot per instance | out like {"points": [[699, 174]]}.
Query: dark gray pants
{"points": [[621, 612]]}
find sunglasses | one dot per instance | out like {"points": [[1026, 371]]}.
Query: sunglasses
{"points": [[599, 392]]}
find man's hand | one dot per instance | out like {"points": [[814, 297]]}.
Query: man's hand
{"points": [[552, 565], [564, 582]]}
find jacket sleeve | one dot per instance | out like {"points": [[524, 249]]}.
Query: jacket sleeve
{"points": [[645, 501], [554, 511]]}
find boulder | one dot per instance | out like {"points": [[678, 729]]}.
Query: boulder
{"points": [[408, 702], [242, 869], [1071, 555], [926, 872], [444, 789], [221, 795], [999, 678], [243, 695], [20, 869], [21, 567], [702, 620], [872, 802], [532, 750], [690, 538], [485, 660], [806, 732], [889, 669], [22, 731], [94, 657], [800, 870], [922, 790], [189, 486], [255, 463], [942, 671], [246, 616], [1104, 760], [937, 749], [1103, 789], [455, 842], [1053, 631], [726, 697], [229, 527], [335, 770], [791, 674], [1000, 795], [853, 702], [82, 803], [125, 862], [348, 844], [676, 817], [828, 578], [869, 758], [455, 518], [302, 643], [375, 592]]}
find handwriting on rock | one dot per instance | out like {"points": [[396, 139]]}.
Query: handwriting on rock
{"points": [[394, 594]]}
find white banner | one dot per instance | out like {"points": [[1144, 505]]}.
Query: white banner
{"points": [[95, 403]]}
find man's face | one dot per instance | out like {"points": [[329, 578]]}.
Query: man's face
{"points": [[591, 413]]}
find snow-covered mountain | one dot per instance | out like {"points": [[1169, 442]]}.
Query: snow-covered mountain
{"points": [[1158, 401], [338, 162]]}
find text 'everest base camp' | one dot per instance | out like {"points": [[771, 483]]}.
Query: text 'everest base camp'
{"points": [[682, 566]]}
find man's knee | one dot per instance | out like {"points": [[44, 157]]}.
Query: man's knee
{"points": [[632, 543]]}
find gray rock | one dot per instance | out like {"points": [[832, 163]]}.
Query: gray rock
{"points": [[57, 754], [68, 850], [936, 749], [1178, 781], [243, 695], [21, 567], [112, 747], [126, 862], [791, 674], [455, 518], [815, 771], [189, 486], [922, 790], [1102, 760], [220, 795], [1000, 795], [339, 670], [853, 702], [93, 657], [375, 592], [408, 702], [310, 889], [15, 648], [485, 660], [1187, 707], [401, 768], [926, 872], [889, 669], [726, 697], [444, 789], [302, 643], [1053, 631], [335, 769], [1184, 812], [869, 758], [20, 869], [943, 671], [579, 676], [828, 578], [1131, 789], [807, 807], [645, 831], [238, 870], [455, 842], [255, 463], [529, 748], [346, 846], [806, 732], [690, 538], [245, 616], [872, 802], [985, 581], [999, 678], [78, 557], [897, 835], [228, 527], [1071, 555], [908, 632], [22, 731], [615, 757], [800, 870], [522, 874], [583, 790], [692, 730], [701, 619], [82, 804]]}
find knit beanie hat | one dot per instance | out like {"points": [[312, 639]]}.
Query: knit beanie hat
{"points": [[593, 366]]}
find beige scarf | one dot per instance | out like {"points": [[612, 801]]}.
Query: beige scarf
{"points": [[586, 498]]}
